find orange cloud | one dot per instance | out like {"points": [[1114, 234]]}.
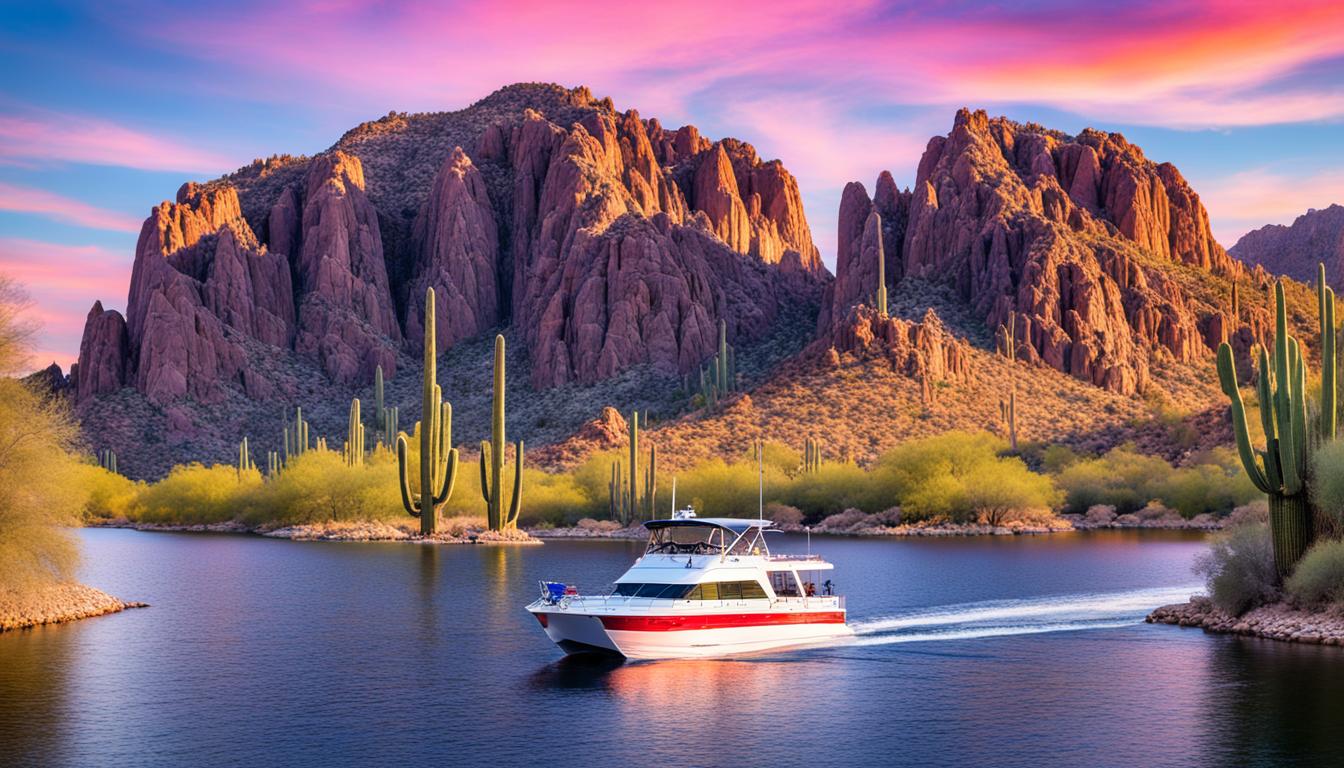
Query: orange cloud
{"points": [[60, 208]]}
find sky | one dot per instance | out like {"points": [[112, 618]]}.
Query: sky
{"points": [[107, 107]]}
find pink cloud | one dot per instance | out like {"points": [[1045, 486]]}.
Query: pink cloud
{"points": [[1247, 200], [1196, 64], [61, 208], [47, 137], [64, 281]]}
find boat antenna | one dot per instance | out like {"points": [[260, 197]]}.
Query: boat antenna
{"points": [[760, 478]]}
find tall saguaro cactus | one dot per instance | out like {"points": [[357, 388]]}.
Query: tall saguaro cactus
{"points": [[245, 464], [492, 454], [354, 437], [811, 455], [107, 459], [1325, 299], [438, 457], [379, 414], [296, 436], [1280, 469], [1008, 413], [651, 482]]}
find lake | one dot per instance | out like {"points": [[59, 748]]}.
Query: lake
{"points": [[1000, 651]]}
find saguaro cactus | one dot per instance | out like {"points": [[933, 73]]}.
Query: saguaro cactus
{"points": [[1325, 299], [614, 507], [1007, 338], [650, 482], [244, 459], [438, 458], [107, 459], [1280, 469], [354, 437], [492, 458], [634, 461], [296, 436], [273, 465], [1008, 412], [811, 455], [378, 413], [389, 421]]}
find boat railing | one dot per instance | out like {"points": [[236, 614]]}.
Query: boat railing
{"points": [[804, 558], [630, 603]]}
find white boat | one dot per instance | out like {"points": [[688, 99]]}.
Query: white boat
{"points": [[704, 587]]}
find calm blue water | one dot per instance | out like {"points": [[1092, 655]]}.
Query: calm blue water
{"points": [[1005, 651]]}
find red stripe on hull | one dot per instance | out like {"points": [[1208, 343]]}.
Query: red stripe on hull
{"points": [[720, 621]]}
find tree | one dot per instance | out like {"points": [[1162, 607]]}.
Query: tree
{"points": [[40, 496]]}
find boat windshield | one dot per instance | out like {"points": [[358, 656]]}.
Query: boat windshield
{"points": [[688, 540], [704, 540]]}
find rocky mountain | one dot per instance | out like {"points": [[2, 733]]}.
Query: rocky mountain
{"points": [[608, 248], [1073, 236], [1315, 237]]}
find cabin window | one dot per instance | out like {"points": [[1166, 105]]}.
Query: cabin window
{"points": [[728, 590], [665, 591]]}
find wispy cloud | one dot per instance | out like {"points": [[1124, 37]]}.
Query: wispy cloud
{"points": [[1246, 200], [66, 209], [1201, 64], [64, 281], [39, 137]]}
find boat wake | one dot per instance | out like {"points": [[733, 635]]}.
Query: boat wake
{"points": [[999, 618]]}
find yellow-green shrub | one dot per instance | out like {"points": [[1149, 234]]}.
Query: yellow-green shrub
{"points": [[193, 494]]}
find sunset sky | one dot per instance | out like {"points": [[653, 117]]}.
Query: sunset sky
{"points": [[105, 108]]}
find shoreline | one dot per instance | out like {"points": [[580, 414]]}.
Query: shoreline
{"points": [[1277, 621], [377, 531], [58, 604], [364, 531]]}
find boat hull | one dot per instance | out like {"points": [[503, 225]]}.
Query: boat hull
{"points": [[681, 636]]}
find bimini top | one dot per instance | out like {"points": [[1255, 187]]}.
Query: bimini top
{"points": [[737, 525]]}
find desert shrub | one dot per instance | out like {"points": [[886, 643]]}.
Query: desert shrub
{"points": [[193, 494], [834, 487], [847, 521], [599, 526], [1100, 514], [1128, 481], [784, 516], [889, 518], [1057, 457], [1318, 579], [960, 476], [728, 490], [1327, 484], [1239, 568], [110, 495]]}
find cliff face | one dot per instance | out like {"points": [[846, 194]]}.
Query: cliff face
{"points": [[1070, 233], [607, 240], [1315, 237]]}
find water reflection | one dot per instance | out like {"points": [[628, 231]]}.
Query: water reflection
{"points": [[35, 665], [1275, 703]]}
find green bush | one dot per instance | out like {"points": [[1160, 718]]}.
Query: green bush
{"points": [[1128, 480], [192, 494], [1318, 580], [1327, 484], [1239, 568]]}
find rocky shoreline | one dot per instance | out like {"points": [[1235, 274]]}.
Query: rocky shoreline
{"points": [[1278, 621], [335, 531], [56, 604]]}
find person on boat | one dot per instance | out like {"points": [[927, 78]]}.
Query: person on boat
{"points": [[827, 586], [811, 589]]}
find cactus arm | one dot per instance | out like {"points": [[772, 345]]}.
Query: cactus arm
{"points": [[1264, 387], [485, 477], [403, 475], [449, 479], [1292, 439], [516, 503], [1227, 376]]}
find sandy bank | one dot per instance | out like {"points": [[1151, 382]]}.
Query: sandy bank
{"points": [[55, 604], [1273, 622]]}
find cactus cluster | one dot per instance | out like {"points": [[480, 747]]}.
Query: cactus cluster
{"points": [[296, 436], [438, 458], [628, 501], [274, 465], [1280, 468], [354, 437], [720, 377], [245, 464], [1006, 338], [811, 455], [107, 459], [492, 458]]}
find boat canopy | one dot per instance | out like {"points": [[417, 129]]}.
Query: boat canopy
{"points": [[737, 525]]}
